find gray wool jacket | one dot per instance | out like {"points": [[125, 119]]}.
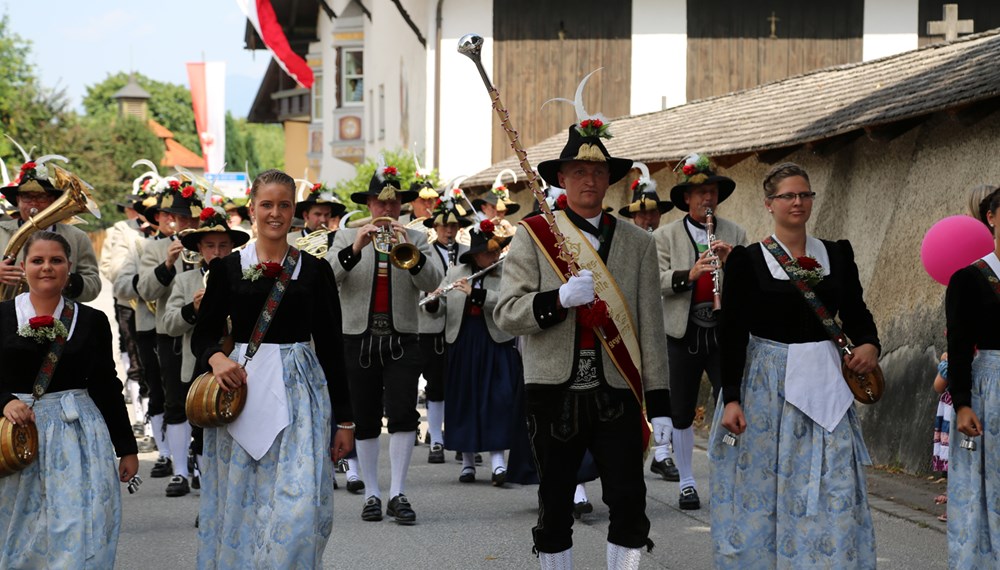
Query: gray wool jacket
{"points": [[156, 280], [179, 317], [528, 307], [356, 282], [677, 256]]}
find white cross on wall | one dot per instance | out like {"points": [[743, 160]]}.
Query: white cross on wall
{"points": [[950, 26]]}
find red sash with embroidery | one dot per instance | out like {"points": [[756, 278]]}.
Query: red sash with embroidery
{"points": [[610, 334]]}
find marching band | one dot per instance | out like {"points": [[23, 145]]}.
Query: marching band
{"points": [[570, 338]]}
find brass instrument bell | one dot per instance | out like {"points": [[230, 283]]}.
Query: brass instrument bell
{"points": [[402, 254], [315, 243]]}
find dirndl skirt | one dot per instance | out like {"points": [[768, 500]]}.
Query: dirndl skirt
{"points": [[485, 381], [789, 494], [974, 476], [64, 510], [276, 512]]}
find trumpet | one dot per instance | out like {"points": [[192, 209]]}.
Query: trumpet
{"points": [[444, 290], [717, 268], [402, 254]]}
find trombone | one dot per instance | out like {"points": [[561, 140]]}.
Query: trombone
{"points": [[402, 254]]}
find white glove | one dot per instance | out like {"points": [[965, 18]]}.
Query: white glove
{"points": [[662, 428], [579, 290]]}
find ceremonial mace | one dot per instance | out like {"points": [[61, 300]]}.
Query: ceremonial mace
{"points": [[471, 45]]}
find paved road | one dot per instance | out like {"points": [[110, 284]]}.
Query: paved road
{"points": [[464, 526]]}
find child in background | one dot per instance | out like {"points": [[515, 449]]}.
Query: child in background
{"points": [[942, 423]]}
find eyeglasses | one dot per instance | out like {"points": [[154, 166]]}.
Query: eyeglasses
{"points": [[791, 196]]}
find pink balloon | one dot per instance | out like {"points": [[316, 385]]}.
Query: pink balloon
{"points": [[953, 243]]}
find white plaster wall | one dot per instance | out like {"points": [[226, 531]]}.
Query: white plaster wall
{"points": [[467, 119], [890, 27], [659, 54], [390, 45], [332, 170]]}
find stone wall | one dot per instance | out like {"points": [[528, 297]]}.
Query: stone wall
{"points": [[882, 196]]}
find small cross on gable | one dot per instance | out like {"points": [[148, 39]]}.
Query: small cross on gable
{"points": [[950, 26]]}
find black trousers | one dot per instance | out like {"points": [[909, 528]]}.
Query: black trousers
{"points": [[562, 425], [126, 343], [698, 352], [383, 372], [169, 348], [432, 349], [146, 343]]}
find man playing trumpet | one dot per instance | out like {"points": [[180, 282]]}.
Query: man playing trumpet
{"points": [[379, 292], [687, 261]]}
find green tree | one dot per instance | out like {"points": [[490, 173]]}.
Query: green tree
{"points": [[269, 144], [169, 104], [241, 152]]}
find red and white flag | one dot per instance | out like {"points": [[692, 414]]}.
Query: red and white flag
{"points": [[262, 18], [208, 98]]}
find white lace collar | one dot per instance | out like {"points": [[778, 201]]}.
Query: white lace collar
{"points": [[992, 260], [248, 258], [814, 248], [26, 311]]}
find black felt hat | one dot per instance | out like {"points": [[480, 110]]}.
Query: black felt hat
{"points": [[499, 195], [587, 149], [176, 197], [698, 170], [34, 176], [644, 195], [384, 185], [318, 194], [212, 221], [447, 211], [482, 238]]}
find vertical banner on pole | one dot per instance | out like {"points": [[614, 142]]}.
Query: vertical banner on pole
{"points": [[208, 98]]}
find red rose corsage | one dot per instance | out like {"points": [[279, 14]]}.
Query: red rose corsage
{"points": [[187, 191], [206, 214], [39, 322], [271, 269], [175, 184], [561, 202], [689, 169], [486, 227], [807, 263]]}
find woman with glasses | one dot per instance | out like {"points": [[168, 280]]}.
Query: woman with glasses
{"points": [[788, 482]]}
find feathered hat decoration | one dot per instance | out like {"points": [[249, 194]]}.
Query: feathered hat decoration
{"points": [[644, 183], [501, 191], [31, 169], [452, 197], [386, 173], [695, 168], [423, 180], [588, 125], [306, 189]]}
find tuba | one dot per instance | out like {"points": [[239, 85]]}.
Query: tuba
{"points": [[75, 200], [402, 254]]}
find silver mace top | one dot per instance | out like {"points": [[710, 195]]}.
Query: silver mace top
{"points": [[471, 46]]}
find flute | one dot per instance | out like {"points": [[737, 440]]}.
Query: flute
{"points": [[435, 295]]}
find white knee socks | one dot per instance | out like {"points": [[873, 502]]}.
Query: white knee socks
{"points": [[556, 560], [158, 435], [497, 460], [435, 419], [468, 461], [178, 441], [683, 450], [400, 452], [621, 558], [368, 459], [133, 394], [661, 452], [352, 470]]}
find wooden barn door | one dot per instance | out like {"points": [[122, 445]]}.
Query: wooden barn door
{"points": [[735, 45], [543, 49]]}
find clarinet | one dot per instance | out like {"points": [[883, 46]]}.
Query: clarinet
{"points": [[717, 269]]}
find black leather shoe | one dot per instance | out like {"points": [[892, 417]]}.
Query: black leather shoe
{"points": [[665, 469], [356, 486], [582, 508], [372, 510], [689, 500], [499, 477], [468, 475], [178, 486], [479, 459], [400, 509], [162, 468], [436, 454], [196, 483]]}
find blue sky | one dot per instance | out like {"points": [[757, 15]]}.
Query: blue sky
{"points": [[76, 43]]}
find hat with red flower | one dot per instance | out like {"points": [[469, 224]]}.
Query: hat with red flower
{"points": [[311, 194], [483, 237], [697, 170], [384, 185], [212, 219], [37, 175], [448, 210], [644, 195], [499, 195], [423, 181], [584, 143]]}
